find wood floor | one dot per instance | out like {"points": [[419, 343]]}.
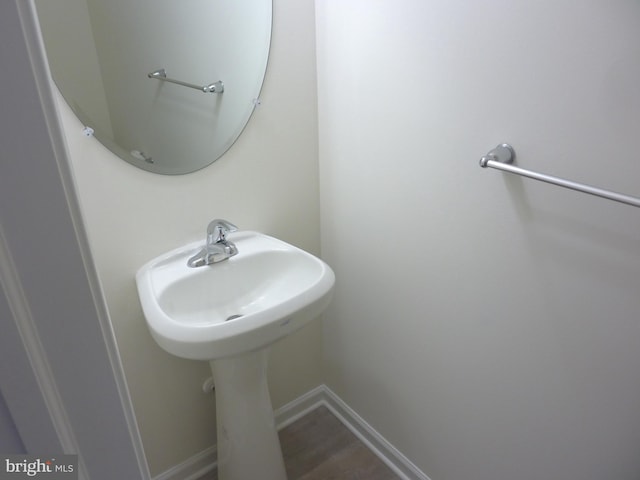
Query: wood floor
{"points": [[319, 447]]}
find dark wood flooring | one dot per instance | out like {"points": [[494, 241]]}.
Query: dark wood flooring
{"points": [[319, 447]]}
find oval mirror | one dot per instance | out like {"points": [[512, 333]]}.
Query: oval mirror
{"points": [[137, 73]]}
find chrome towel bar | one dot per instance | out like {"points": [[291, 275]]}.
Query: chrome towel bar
{"points": [[503, 156], [161, 74]]}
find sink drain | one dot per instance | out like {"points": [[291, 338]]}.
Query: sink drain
{"points": [[233, 317]]}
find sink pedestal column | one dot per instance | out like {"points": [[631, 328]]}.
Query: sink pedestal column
{"points": [[248, 444]]}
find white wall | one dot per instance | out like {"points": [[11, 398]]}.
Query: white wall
{"points": [[268, 181], [487, 326]]}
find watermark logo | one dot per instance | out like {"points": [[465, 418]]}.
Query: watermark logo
{"points": [[50, 467]]}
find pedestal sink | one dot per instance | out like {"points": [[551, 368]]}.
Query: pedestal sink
{"points": [[229, 313]]}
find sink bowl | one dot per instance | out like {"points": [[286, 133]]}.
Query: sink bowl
{"points": [[265, 292]]}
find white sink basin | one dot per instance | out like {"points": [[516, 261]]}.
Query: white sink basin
{"points": [[265, 292]]}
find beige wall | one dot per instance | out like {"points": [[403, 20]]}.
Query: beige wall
{"points": [[268, 181], [487, 326]]}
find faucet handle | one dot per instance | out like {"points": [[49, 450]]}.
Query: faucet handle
{"points": [[218, 229]]}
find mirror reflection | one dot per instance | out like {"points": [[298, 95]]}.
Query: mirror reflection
{"points": [[101, 53]]}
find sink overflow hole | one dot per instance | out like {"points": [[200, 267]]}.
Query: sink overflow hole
{"points": [[233, 317]]}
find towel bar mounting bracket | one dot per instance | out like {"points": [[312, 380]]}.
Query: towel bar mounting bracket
{"points": [[503, 153]]}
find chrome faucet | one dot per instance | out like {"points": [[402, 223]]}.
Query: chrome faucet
{"points": [[217, 247]]}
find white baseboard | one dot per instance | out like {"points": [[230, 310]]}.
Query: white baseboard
{"points": [[192, 468], [201, 464]]}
